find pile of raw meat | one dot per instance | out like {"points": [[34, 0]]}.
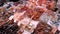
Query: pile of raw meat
{"points": [[29, 17]]}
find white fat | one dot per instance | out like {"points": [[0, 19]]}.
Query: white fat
{"points": [[26, 32], [11, 17], [5, 5], [19, 23], [42, 7], [14, 11], [14, 21], [30, 23], [22, 13], [34, 23], [24, 21]]}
